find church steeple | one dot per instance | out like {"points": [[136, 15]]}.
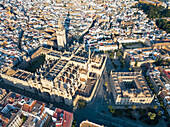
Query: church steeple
{"points": [[89, 53], [60, 25], [61, 35]]}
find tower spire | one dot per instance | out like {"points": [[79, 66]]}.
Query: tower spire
{"points": [[89, 53], [60, 25]]}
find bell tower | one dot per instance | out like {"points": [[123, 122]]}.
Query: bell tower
{"points": [[61, 36]]}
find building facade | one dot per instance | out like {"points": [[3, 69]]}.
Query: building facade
{"points": [[130, 88], [65, 77]]}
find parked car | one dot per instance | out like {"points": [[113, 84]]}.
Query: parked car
{"points": [[163, 117]]}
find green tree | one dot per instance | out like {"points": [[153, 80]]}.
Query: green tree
{"points": [[161, 103], [111, 109], [151, 115], [155, 107], [24, 118], [133, 107], [130, 69], [163, 24], [81, 104], [159, 113], [126, 106], [157, 12], [106, 83]]}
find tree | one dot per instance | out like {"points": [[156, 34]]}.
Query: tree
{"points": [[111, 109], [119, 54], [134, 107], [155, 107], [126, 106], [130, 69], [115, 66], [122, 62], [24, 118], [151, 115], [106, 84], [111, 55], [163, 24], [161, 103], [159, 113], [81, 104], [157, 12]]}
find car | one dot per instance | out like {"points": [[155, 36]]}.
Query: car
{"points": [[163, 117]]}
